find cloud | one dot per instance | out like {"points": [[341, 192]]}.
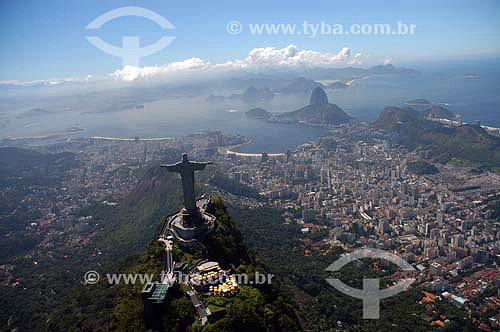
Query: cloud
{"points": [[49, 82], [289, 57], [388, 61], [130, 73], [356, 59]]}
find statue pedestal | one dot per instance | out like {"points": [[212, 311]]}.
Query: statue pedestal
{"points": [[191, 218], [188, 227]]}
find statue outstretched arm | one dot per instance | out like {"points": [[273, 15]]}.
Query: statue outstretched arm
{"points": [[200, 165], [173, 167]]}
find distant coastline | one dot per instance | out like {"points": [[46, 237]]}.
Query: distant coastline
{"points": [[350, 82], [132, 139], [229, 150], [71, 131]]}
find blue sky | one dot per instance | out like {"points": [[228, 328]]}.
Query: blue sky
{"points": [[46, 39]]}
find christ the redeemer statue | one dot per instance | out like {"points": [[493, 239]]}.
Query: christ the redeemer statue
{"points": [[186, 169]]}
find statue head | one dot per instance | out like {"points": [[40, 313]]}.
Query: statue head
{"points": [[184, 157]]}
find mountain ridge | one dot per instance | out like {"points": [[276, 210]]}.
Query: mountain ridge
{"points": [[464, 143]]}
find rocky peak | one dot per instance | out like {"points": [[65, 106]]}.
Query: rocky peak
{"points": [[318, 97]]}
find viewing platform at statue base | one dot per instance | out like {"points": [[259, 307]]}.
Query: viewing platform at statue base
{"points": [[188, 227]]}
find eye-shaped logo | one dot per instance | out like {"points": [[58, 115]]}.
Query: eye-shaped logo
{"points": [[370, 294], [130, 52]]}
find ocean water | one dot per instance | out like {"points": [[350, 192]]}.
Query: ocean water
{"points": [[446, 83], [439, 82], [173, 117]]}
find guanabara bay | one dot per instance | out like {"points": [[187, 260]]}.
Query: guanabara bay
{"points": [[268, 166]]}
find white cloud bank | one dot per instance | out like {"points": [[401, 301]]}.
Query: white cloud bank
{"points": [[290, 57], [258, 59]]}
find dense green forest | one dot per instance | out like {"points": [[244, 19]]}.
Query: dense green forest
{"points": [[233, 186], [422, 167]]}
